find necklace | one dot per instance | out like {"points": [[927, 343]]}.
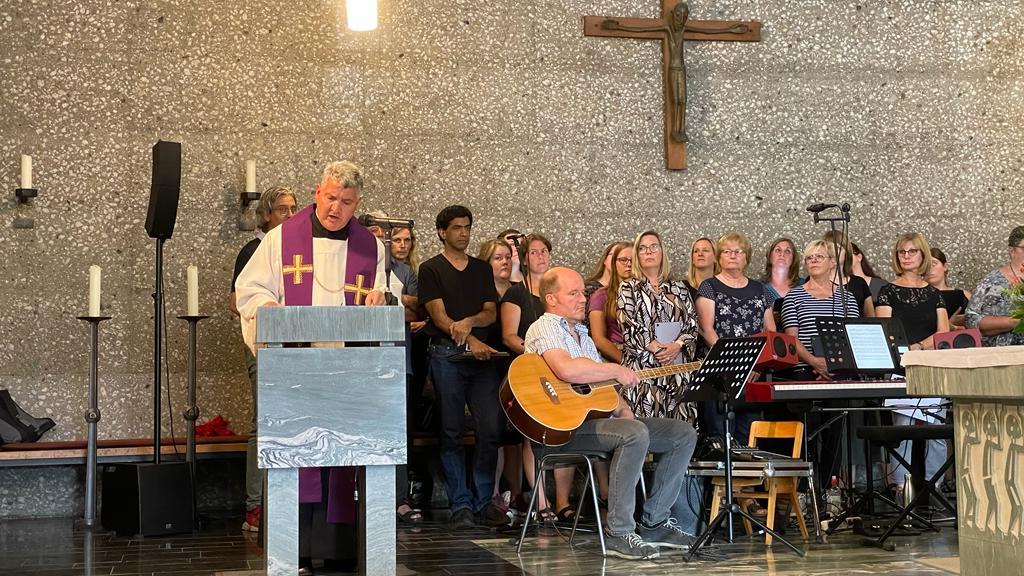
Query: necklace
{"points": [[1014, 272], [321, 284], [829, 287], [732, 282]]}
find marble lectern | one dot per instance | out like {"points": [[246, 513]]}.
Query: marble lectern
{"points": [[326, 405], [987, 388]]}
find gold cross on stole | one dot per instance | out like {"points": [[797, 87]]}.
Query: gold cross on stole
{"points": [[297, 269], [358, 288]]}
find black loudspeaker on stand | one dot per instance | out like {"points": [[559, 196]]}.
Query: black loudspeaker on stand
{"points": [[154, 499]]}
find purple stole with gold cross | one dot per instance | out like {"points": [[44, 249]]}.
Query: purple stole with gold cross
{"points": [[360, 274]]}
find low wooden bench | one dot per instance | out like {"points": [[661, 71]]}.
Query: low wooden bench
{"points": [[117, 450]]}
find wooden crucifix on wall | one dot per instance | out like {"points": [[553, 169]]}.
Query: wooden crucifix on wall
{"points": [[674, 28]]}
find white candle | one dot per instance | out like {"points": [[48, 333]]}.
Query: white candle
{"points": [[26, 171], [94, 290], [250, 175], [192, 274]]}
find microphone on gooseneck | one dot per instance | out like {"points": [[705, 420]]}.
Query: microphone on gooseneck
{"points": [[815, 208]]}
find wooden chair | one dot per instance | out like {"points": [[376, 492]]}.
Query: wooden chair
{"points": [[772, 488]]}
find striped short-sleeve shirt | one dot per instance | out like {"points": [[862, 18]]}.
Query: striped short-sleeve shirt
{"points": [[800, 309]]}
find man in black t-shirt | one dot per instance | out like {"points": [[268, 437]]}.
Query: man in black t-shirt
{"points": [[457, 293], [275, 205]]}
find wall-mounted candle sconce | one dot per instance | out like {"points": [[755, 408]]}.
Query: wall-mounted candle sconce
{"points": [[250, 195]]}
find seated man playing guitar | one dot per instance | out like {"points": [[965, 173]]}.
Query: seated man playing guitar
{"points": [[560, 337]]}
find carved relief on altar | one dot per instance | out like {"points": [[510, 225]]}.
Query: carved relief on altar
{"points": [[990, 477]]}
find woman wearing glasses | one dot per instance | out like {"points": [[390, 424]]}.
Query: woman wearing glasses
{"points": [[649, 298], [604, 322], [909, 297], [659, 328], [990, 307], [921, 309], [730, 304], [818, 296]]}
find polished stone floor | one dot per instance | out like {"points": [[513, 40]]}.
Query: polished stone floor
{"points": [[54, 547]]}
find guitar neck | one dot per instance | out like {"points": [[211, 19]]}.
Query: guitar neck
{"points": [[655, 373], [670, 370]]}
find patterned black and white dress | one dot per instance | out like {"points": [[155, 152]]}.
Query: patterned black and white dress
{"points": [[639, 309]]}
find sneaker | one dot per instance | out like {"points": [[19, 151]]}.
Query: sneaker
{"points": [[629, 546], [461, 519], [252, 519], [493, 516], [668, 534]]}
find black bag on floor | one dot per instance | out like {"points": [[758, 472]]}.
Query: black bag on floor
{"points": [[16, 425]]}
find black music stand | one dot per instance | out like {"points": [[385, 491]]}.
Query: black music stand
{"points": [[722, 377]]}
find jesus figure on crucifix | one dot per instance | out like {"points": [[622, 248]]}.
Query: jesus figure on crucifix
{"points": [[677, 63]]}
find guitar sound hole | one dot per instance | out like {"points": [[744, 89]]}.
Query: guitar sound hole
{"points": [[582, 388]]}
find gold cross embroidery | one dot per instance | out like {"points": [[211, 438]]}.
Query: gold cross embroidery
{"points": [[297, 268], [358, 288]]}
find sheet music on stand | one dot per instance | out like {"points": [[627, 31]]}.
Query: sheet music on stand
{"points": [[727, 368]]}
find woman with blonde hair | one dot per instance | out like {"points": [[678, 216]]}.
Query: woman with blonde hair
{"points": [[818, 296], [646, 300], [919, 306], [909, 297], [703, 264], [730, 304], [403, 247]]}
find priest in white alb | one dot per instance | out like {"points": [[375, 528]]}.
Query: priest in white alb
{"points": [[321, 256]]}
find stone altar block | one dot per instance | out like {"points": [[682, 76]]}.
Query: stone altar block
{"points": [[327, 405], [987, 388]]}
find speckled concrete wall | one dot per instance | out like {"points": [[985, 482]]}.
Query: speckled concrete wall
{"points": [[911, 111]]}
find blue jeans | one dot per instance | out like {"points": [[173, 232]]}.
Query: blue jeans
{"points": [[457, 384], [687, 508], [628, 441]]}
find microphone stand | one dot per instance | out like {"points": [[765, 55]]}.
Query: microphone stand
{"points": [[387, 228], [844, 217]]}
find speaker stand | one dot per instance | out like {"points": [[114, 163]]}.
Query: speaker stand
{"points": [[158, 324]]}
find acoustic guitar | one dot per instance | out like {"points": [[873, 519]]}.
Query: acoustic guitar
{"points": [[547, 410]]}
